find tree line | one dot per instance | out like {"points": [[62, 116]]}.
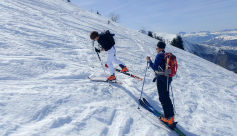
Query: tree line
{"points": [[176, 42]]}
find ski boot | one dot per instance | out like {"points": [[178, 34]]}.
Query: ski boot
{"points": [[169, 122], [111, 78], [124, 68]]}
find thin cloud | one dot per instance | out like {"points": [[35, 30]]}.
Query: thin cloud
{"points": [[118, 8]]}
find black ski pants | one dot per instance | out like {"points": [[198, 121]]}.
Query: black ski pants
{"points": [[165, 99]]}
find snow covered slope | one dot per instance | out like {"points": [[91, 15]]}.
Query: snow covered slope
{"points": [[46, 56]]}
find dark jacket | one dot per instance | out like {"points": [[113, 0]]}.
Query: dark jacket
{"points": [[159, 61], [104, 42]]}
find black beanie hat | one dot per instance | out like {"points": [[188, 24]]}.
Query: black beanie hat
{"points": [[161, 45]]}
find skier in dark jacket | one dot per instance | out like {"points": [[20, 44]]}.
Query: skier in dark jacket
{"points": [[161, 81], [107, 46]]}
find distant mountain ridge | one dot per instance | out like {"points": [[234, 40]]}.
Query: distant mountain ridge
{"points": [[205, 34], [213, 54], [225, 39]]}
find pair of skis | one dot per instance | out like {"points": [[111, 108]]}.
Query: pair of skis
{"points": [[118, 70], [101, 80], [128, 74], [144, 103]]}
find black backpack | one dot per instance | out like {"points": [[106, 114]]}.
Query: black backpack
{"points": [[110, 37]]}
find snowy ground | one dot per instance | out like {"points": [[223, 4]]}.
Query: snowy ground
{"points": [[46, 56]]}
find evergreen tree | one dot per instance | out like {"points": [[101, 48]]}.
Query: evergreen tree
{"points": [[174, 43], [178, 42], [98, 13], [150, 34], [159, 38]]}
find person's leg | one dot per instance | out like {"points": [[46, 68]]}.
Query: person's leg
{"points": [[115, 60], [110, 59], [165, 99]]}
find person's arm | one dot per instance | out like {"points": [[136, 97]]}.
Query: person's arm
{"points": [[100, 45], [158, 60]]}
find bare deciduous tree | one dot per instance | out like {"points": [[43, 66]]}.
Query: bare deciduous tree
{"points": [[114, 17], [143, 28]]}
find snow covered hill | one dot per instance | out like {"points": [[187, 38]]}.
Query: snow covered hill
{"points": [[213, 46], [213, 54], [224, 39], [225, 42], [46, 56]]}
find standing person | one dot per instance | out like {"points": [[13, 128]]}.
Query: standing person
{"points": [[161, 81], [106, 44]]}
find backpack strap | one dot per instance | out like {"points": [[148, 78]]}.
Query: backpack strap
{"points": [[164, 72], [163, 62]]}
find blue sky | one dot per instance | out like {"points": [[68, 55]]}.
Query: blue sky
{"points": [[170, 16]]}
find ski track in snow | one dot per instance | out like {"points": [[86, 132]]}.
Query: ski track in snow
{"points": [[46, 56]]}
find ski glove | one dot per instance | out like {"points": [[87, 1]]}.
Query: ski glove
{"points": [[97, 50]]}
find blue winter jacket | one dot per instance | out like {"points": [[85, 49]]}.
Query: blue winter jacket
{"points": [[155, 66]]}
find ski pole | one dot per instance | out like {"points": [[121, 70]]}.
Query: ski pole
{"points": [[143, 83], [98, 57], [173, 99]]}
